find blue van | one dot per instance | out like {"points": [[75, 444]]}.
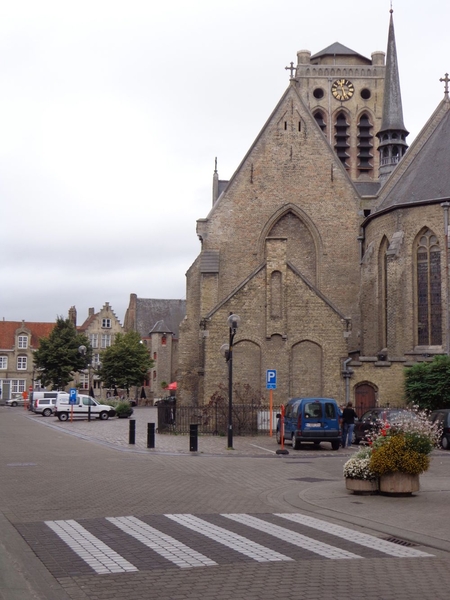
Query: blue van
{"points": [[312, 420]]}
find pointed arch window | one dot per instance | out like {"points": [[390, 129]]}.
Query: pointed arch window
{"points": [[341, 135], [429, 301]]}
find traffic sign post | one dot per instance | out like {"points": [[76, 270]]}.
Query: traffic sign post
{"points": [[72, 401], [271, 384]]}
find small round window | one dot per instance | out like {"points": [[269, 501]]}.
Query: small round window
{"points": [[365, 94], [318, 93]]}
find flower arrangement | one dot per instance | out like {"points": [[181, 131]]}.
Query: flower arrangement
{"points": [[358, 467], [404, 445]]}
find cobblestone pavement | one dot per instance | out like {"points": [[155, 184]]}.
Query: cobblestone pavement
{"points": [[84, 516]]}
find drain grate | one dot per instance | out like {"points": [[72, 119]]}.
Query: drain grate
{"points": [[309, 479], [398, 541]]}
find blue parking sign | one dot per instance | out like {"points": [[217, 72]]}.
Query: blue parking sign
{"points": [[271, 379], [73, 396]]}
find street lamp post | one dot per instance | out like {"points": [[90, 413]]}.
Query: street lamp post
{"points": [[233, 322]]}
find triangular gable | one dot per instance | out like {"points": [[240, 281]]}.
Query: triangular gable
{"points": [[310, 121]]}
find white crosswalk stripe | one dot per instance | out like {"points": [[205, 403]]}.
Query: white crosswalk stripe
{"points": [[93, 551], [362, 539], [292, 537], [223, 545], [163, 544], [228, 538]]}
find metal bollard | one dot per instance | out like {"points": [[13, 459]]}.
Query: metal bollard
{"points": [[150, 435], [132, 433], [193, 437], [89, 412]]}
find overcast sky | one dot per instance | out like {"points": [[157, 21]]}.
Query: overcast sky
{"points": [[112, 112]]}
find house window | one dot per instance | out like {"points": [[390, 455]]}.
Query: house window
{"points": [[106, 340], [429, 302], [3, 362], [154, 356], [93, 340], [163, 340], [106, 323], [95, 360], [154, 375], [84, 381], [21, 363], [18, 386], [23, 341]]}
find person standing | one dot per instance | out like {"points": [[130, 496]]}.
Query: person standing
{"points": [[348, 424]]}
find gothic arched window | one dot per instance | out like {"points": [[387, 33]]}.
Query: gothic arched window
{"points": [[429, 302]]}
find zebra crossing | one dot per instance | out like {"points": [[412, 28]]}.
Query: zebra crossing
{"points": [[127, 544]]}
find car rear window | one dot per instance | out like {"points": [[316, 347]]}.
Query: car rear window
{"points": [[313, 410]]}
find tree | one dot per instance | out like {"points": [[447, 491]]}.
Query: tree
{"points": [[58, 357], [125, 363], [428, 384]]}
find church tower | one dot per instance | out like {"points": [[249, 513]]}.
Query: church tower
{"points": [[344, 91]]}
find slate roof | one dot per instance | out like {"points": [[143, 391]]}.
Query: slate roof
{"points": [[149, 311], [338, 49], [392, 103], [427, 177], [8, 331]]}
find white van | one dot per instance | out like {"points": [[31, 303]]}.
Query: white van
{"points": [[84, 406]]}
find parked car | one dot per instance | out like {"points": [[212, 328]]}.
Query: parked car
{"points": [[16, 400], [46, 406], [373, 418], [312, 420], [84, 406], [442, 416], [44, 402]]}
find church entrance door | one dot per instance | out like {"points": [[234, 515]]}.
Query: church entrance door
{"points": [[364, 398]]}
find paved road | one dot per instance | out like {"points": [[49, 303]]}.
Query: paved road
{"points": [[85, 516]]}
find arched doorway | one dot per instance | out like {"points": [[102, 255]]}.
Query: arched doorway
{"points": [[364, 398]]}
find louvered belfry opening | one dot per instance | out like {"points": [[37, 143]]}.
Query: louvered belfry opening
{"points": [[365, 144], [341, 136]]}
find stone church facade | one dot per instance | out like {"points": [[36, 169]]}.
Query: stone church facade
{"points": [[329, 242]]}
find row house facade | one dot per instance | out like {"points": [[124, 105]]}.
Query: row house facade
{"points": [[18, 341]]}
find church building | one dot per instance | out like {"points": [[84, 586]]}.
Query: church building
{"points": [[330, 242]]}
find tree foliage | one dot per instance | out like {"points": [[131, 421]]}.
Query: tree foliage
{"points": [[427, 385], [58, 356], [125, 363]]}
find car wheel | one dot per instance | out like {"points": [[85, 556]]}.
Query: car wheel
{"points": [[444, 442], [278, 436], [14, 403], [46, 412], [63, 416], [103, 416], [295, 442], [335, 445]]}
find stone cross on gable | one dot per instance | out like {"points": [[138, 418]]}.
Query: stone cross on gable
{"points": [[291, 69], [445, 80]]}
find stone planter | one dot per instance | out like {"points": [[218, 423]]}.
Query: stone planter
{"points": [[362, 486], [399, 484]]}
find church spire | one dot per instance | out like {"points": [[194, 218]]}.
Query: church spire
{"points": [[392, 134]]}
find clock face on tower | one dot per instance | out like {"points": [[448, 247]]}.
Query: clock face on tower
{"points": [[342, 89]]}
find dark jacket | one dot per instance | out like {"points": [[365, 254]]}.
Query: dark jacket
{"points": [[349, 416]]}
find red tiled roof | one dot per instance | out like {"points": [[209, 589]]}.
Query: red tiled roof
{"points": [[8, 331]]}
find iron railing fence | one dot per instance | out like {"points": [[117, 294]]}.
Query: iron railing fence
{"points": [[212, 419]]}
